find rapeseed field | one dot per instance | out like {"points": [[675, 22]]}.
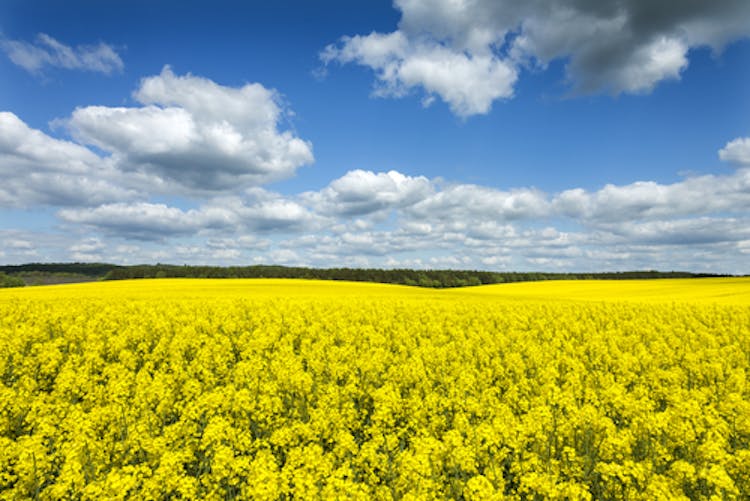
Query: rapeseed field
{"points": [[283, 389]]}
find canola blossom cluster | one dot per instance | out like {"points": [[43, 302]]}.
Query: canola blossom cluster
{"points": [[279, 390]]}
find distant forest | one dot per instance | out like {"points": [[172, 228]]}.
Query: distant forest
{"points": [[45, 273]]}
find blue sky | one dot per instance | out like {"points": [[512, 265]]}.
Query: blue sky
{"points": [[493, 135]]}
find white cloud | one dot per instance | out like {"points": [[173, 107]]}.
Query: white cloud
{"points": [[196, 135], [40, 245], [245, 242], [48, 52], [34, 148], [469, 204], [470, 53], [737, 151], [90, 249], [265, 211], [695, 231], [363, 218], [361, 192], [16, 247], [649, 200], [18, 243], [191, 137], [433, 224], [609, 228], [285, 256], [148, 221], [260, 211], [468, 82], [89, 245], [39, 170]]}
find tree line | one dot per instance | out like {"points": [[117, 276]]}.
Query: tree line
{"points": [[404, 276], [421, 278]]}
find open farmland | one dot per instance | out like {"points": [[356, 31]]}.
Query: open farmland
{"points": [[285, 389]]}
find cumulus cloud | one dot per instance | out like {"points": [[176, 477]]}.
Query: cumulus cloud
{"points": [[17, 247], [260, 211], [45, 51], [429, 222], [522, 228], [361, 192], [191, 137], [90, 249], [363, 218], [468, 82], [695, 231], [737, 151], [468, 204], [147, 221], [265, 211], [196, 135], [470, 53], [88, 245], [649, 200], [40, 170], [238, 243], [18, 243]]}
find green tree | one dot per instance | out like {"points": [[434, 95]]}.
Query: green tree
{"points": [[8, 281]]}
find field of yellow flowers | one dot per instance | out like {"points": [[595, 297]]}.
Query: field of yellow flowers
{"points": [[282, 389]]}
